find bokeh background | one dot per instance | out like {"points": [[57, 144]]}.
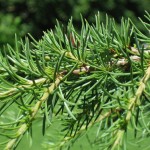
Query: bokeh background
{"points": [[35, 16]]}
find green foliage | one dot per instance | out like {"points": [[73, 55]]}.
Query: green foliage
{"points": [[37, 16], [97, 79], [9, 25]]}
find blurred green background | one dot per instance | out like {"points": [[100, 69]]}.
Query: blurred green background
{"points": [[36, 16], [84, 142]]}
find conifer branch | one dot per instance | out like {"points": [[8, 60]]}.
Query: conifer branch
{"points": [[28, 84], [34, 110], [24, 127], [83, 129], [133, 102], [84, 78]]}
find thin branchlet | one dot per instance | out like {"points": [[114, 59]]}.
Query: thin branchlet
{"points": [[133, 102], [24, 127]]}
